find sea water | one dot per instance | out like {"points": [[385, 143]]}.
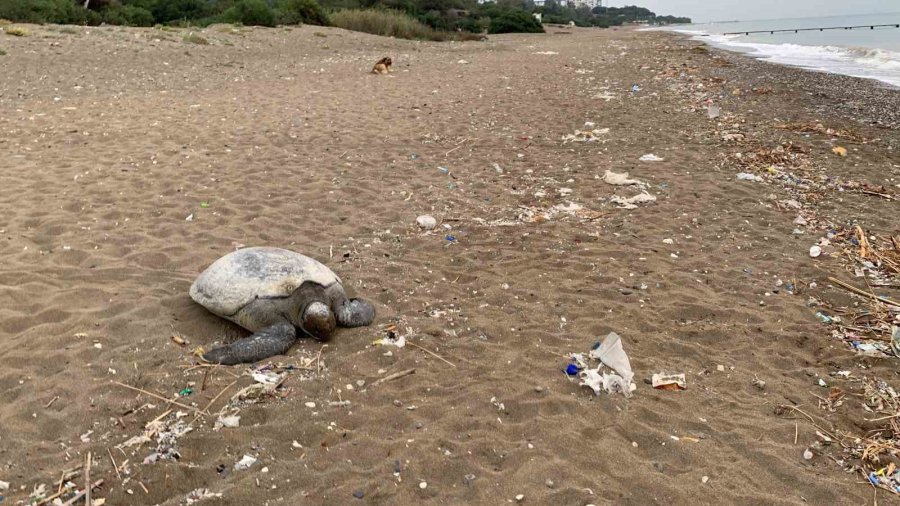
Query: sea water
{"points": [[861, 52]]}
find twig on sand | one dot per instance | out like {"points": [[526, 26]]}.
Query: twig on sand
{"points": [[214, 399], [813, 421], [115, 466], [87, 479], [864, 293], [396, 375], [433, 354], [796, 432], [51, 402], [151, 394]]}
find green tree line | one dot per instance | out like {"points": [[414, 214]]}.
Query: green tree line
{"points": [[500, 16]]}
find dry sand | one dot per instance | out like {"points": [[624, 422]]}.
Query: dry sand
{"points": [[112, 137]]}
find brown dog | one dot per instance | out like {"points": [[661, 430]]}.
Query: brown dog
{"points": [[383, 66]]}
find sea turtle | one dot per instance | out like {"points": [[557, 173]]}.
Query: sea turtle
{"points": [[272, 292]]}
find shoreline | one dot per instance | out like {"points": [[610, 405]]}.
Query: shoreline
{"points": [[282, 137], [749, 48], [866, 100]]}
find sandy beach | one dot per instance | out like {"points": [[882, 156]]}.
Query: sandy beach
{"points": [[133, 158]]}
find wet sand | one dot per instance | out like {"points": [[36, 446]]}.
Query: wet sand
{"points": [[113, 137]]}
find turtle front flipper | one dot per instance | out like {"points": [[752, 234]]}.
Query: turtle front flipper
{"points": [[270, 341]]}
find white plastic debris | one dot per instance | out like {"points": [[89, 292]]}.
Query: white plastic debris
{"points": [[591, 135], [651, 158], [266, 377], [426, 222], [746, 176], [632, 202], [190, 217], [668, 241], [620, 179], [228, 422], [602, 382], [200, 494], [815, 251], [4, 485], [713, 111], [245, 463], [807, 454], [611, 354]]}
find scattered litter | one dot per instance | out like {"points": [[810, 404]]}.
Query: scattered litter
{"points": [[636, 88], [4, 485], [591, 135], [463, 62], [546, 52], [611, 354], [745, 176], [815, 251], [426, 222], [824, 318], [190, 217], [807, 454], [631, 202], [391, 339], [621, 179], [668, 241], [198, 495], [839, 150], [663, 381], [651, 158], [713, 111], [245, 463]]}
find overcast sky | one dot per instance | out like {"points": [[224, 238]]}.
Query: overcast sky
{"points": [[727, 10]]}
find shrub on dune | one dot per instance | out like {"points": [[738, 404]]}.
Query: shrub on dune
{"points": [[511, 21], [387, 23], [250, 13], [295, 12]]}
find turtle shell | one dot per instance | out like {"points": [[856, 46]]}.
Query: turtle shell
{"points": [[241, 277]]}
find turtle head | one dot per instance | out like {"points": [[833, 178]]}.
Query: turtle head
{"points": [[317, 320]]}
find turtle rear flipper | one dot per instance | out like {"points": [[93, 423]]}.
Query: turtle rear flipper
{"points": [[270, 341]]}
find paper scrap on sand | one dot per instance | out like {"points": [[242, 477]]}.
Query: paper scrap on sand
{"points": [[651, 158], [632, 202], [621, 179]]}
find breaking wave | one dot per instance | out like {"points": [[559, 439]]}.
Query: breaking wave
{"points": [[879, 64]]}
